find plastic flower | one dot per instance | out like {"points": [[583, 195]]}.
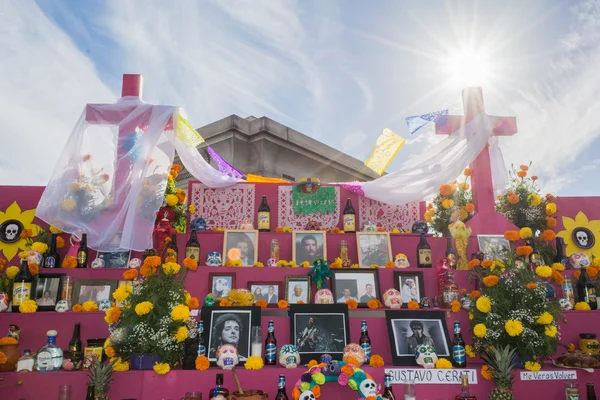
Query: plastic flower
{"points": [[171, 268], [486, 372], [484, 304], [513, 327], [254, 363], [469, 350], [525, 233], [122, 293], [69, 262], [262, 303], [479, 330], [374, 266], [120, 365], [376, 361], [161, 368], [390, 264], [76, 308], [112, 315], [260, 265], [456, 306], [413, 305], [202, 363], [130, 274], [524, 251], [171, 200], [534, 199], [582, 306], [282, 304], [352, 303], [28, 306], [143, 308], [550, 209], [11, 272], [475, 294], [532, 366], [39, 247], [543, 271], [442, 363], [490, 280], [190, 264], [182, 334], [544, 319], [180, 313], [550, 331]]}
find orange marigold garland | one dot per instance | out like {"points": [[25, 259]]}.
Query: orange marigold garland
{"points": [[352, 303], [202, 363], [376, 361]]}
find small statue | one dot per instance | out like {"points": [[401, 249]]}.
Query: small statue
{"points": [[461, 234]]}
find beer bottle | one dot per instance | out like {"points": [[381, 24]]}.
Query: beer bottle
{"points": [[591, 393], [349, 217], [75, 343], [52, 259], [586, 290], [201, 346], [458, 348], [264, 216], [388, 394], [424, 253], [365, 341], [271, 345], [281, 395], [192, 247], [173, 246], [21, 286], [560, 254], [219, 392], [82, 252], [450, 253]]}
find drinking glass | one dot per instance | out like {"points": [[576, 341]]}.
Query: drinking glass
{"points": [[257, 344], [193, 396], [64, 392]]}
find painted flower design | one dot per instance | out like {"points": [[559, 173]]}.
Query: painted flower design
{"points": [[25, 218], [580, 221]]}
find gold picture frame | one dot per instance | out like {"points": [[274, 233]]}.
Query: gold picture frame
{"points": [[365, 241], [301, 255], [238, 237]]}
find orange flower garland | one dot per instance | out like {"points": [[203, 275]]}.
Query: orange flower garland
{"points": [[352, 303], [390, 264], [225, 303], [190, 264], [376, 361]]}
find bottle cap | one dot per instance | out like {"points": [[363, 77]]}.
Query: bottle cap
{"points": [[51, 333], [27, 351]]}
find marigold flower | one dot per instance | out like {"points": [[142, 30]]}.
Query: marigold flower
{"points": [[376, 361], [486, 263], [299, 302], [470, 352], [260, 265], [161, 368], [473, 263], [143, 308], [446, 190], [39, 247], [28, 306], [254, 363], [522, 174], [497, 265], [110, 352], [558, 278], [483, 304], [181, 334], [374, 266], [202, 363], [470, 208], [122, 293], [479, 330], [34, 269], [513, 199], [352, 303], [543, 271], [558, 266], [523, 167], [171, 268], [225, 303], [413, 305], [69, 262], [513, 327], [374, 303], [282, 304], [550, 330], [467, 172], [262, 303], [130, 274], [486, 372], [89, 306], [534, 199], [491, 280], [147, 271], [152, 261], [456, 306], [2, 263], [463, 186], [8, 341], [531, 285], [447, 203], [551, 222], [591, 271], [548, 235], [475, 294], [577, 274], [511, 236], [532, 366], [582, 306], [180, 313], [190, 264], [112, 315], [550, 209], [524, 251], [11, 272], [193, 302], [77, 308], [443, 363], [525, 233]]}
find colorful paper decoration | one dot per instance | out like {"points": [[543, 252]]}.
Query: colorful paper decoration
{"points": [[385, 150], [580, 234], [13, 222], [321, 202]]}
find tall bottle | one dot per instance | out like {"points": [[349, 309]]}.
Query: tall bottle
{"points": [[50, 357], [424, 253], [560, 254], [75, 343], [450, 290], [586, 290], [264, 216], [464, 389], [458, 348], [201, 346], [271, 346], [21, 286], [591, 393], [91, 393], [82, 252], [365, 341], [535, 260], [173, 246], [219, 392], [349, 217], [52, 259], [450, 253], [388, 394], [192, 247], [281, 394], [571, 391]]}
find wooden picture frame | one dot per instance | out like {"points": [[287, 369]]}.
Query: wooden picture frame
{"points": [[416, 292], [248, 246], [309, 242], [265, 286], [355, 284], [50, 284], [228, 283], [403, 324], [292, 282], [98, 290], [373, 248]]}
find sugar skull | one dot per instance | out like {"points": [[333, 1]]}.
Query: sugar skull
{"points": [[272, 262], [307, 395], [313, 226], [62, 306], [425, 302], [355, 351], [247, 225], [367, 388], [331, 368], [579, 260], [227, 356], [289, 356], [33, 257], [135, 263], [392, 298], [420, 227], [401, 261], [565, 304], [214, 258], [324, 296], [425, 356], [104, 305], [98, 263], [370, 227]]}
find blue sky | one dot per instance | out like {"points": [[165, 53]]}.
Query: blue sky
{"points": [[339, 71]]}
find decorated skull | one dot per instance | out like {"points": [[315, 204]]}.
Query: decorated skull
{"points": [[272, 262], [33, 257], [324, 296], [355, 351], [332, 368], [425, 302], [565, 304], [62, 306], [98, 263], [247, 225], [370, 227], [579, 260], [401, 261], [392, 298], [227, 356], [104, 305], [135, 263], [425, 356], [581, 237], [214, 258], [307, 395], [367, 388], [11, 231], [289, 356]]}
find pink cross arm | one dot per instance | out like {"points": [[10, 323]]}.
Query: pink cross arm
{"points": [[505, 126]]}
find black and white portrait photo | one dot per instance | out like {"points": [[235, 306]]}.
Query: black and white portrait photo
{"points": [[117, 259], [373, 248], [297, 288], [220, 284], [493, 246], [361, 286], [47, 291], [309, 245], [410, 285], [241, 245]]}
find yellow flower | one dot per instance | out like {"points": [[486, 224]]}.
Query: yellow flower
{"points": [[582, 306], [513, 327], [236, 263], [143, 308], [374, 266], [469, 350], [442, 363], [259, 264], [305, 264], [581, 220], [68, 204], [559, 267], [355, 266], [292, 264], [11, 271], [484, 304], [180, 313], [534, 199], [112, 315], [161, 368], [172, 200], [89, 306], [532, 366], [39, 247], [171, 268], [122, 293], [28, 306], [447, 203], [254, 363], [54, 229], [550, 330], [545, 319], [182, 334], [192, 209], [550, 209], [281, 263], [525, 233], [497, 264], [25, 218], [544, 271], [479, 330], [120, 365], [471, 315], [287, 229]]}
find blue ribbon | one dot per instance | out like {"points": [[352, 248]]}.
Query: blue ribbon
{"points": [[417, 122]]}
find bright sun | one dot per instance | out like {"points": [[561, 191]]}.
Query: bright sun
{"points": [[469, 69]]}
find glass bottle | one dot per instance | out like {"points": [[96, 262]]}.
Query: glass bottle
{"points": [[67, 289], [264, 216], [349, 218], [568, 292], [450, 292], [591, 393], [571, 391], [560, 254], [64, 392], [458, 348], [343, 249], [52, 259], [281, 394], [75, 343], [388, 394], [201, 346], [219, 392], [50, 357], [271, 345], [586, 290], [173, 247], [91, 393], [82, 252], [535, 259], [21, 286], [410, 391], [424, 253], [450, 253], [365, 341], [192, 247], [464, 389], [26, 362]]}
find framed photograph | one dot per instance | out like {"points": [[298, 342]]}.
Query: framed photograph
{"points": [[373, 248], [132, 284], [241, 245], [319, 329], [309, 245], [359, 285], [410, 285], [270, 291], [493, 246], [408, 329], [48, 289], [93, 289], [229, 325], [221, 283], [298, 288], [117, 259]]}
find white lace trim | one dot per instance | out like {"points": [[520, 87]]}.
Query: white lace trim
{"points": [[223, 208]]}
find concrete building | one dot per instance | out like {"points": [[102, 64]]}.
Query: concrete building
{"points": [[265, 147]]}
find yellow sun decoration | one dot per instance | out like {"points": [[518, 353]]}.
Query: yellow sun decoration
{"points": [[25, 218], [580, 221]]}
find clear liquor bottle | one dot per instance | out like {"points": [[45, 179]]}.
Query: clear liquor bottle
{"points": [[50, 357]]}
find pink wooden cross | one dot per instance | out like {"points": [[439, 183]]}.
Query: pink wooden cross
{"points": [[486, 220]]}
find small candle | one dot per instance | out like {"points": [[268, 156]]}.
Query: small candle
{"points": [[256, 350]]}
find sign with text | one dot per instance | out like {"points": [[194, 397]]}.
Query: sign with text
{"points": [[566, 375], [439, 376], [322, 202]]}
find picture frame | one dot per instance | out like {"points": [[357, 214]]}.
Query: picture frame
{"points": [[327, 333], [298, 288], [357, 284], [493, 246], [239, 244], [403, 324], [411, 286], [220, 284], [265, 291], [93, 289], [229, 325], [115, 259], [133, 284], [48, 291], [308, 246], [373, 248]]}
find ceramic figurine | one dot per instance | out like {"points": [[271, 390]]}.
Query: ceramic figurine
{"points": [[62, 306], [199, 224], [579, 260], [367, 388], [425, 356], [425, 302], [565, 304], [309, 185], [214, 259], [289, 357], [355, 351], [3, 301], [401, 261], [272, 262], [135, 263], [98, 263], [324, 296], [331, 368], [392, 298], [227, 356], [466, 303], [104, 305]]}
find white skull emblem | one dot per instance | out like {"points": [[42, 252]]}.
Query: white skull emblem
{"points": [[582, 238], [368, 387], [308, 395], [11, 231], [214, 258], [324, 296], [392, 298], [289, 356], [104, 305], [227, 356], [425, 356], [62, 306]]}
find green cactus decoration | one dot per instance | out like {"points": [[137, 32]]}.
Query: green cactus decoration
{"points": [[320, 272]]}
